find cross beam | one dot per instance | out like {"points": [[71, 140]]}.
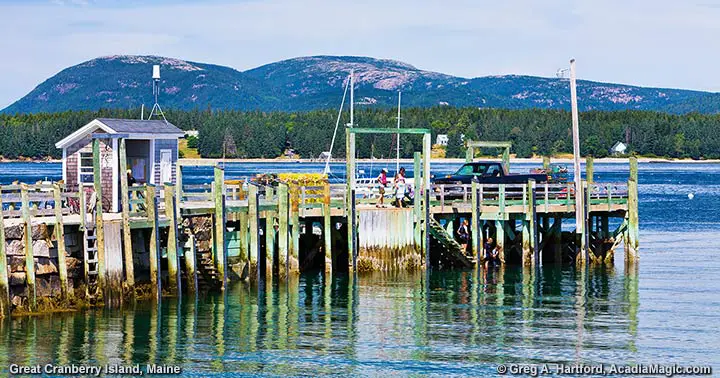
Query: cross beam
{"points": [[471, 145]]}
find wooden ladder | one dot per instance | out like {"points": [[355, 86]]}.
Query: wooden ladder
{"points": [[90, 255], [449, 244]]}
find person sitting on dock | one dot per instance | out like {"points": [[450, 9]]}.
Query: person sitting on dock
{"points": [[463, 235], [382, 183]]}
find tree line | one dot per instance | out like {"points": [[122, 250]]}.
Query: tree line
{"points": [[256, 134]]}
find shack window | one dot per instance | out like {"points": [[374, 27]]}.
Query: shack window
{"points": [[86, 168]]}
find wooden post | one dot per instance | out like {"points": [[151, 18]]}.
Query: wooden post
{"points": [[327, 228], [190, 265], [29, 253], [152, 215], [352, 234], [475, 222], [532, 211], [220, 248], [4, 282], [426, 163], [546, 163], [243, 236], [506, 159], [254, 227], [269, 234], [426, 222], [127, 239], [99, 225], [417, 210], [172, 256], [60, 237], [283, 217], [500, 239], [179, 189], [589, 170], [83, 208], [556, 240], [528, 230], [633, 229], [293, 260], [469, 154]]}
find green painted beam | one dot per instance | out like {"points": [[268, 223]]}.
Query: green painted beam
{"points": [[365, 130]]}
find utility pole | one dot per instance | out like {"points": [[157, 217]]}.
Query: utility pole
{"points": [[579, 203]]}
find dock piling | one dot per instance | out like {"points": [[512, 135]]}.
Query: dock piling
{"points": [[29, 257], [151, 204], [269, 234], [633, 230], [172, 255], [283, 216], [99, 222], [127, 238], [293, 259], [191, 265], [60, 238], [327, 228], [4, 281], [219, 242], [253, 220]]}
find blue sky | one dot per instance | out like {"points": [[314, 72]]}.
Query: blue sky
{"points": [[659, 43]]}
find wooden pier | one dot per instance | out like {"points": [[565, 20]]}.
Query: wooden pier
{"points": [[180, 238]]}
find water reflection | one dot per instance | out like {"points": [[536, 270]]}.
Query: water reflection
{"points": [[458, 323]]}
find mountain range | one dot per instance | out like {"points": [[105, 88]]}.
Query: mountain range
{"points": [[317, 82]]}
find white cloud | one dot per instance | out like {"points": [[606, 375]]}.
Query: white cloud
{"points": [[654, 43]]}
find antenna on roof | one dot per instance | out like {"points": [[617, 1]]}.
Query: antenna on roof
{"points": [[156, 93]]}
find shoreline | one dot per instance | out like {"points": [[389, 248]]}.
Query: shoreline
{"points": [[533, 160]]}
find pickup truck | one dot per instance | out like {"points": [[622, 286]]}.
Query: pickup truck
{"points": [[486, 172]]}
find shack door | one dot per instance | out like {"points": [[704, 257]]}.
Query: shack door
{"points": [[165, 166]]}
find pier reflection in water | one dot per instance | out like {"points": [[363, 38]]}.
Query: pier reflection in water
{"points": [[447, 322]]}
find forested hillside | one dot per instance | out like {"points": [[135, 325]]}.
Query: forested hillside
{"points": [[258, 134]]}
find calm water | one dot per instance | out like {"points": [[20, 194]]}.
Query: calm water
{"points": [[447, 323]]}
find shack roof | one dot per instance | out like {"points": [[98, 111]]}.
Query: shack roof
{"points": [[135, 128]]}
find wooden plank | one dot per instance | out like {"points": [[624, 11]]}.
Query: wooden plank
{"points": [[60, 238], [327, 229], [219, 240], [172, 255], [367, 130], [4, 282], [127, 238], [29, 258]]}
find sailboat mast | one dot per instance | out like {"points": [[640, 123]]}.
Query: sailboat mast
{"points": [[352, 98], [397, 158]]}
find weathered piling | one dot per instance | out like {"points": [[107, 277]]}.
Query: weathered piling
{"points": [[99, 223], [632, 232], [4, 282], [151, 204], [327, 228], [125, 201], [529, 227], [253, 220], [417, 181], [283, 215], [500, 224], [475, 229], [191, 265], [269, 233], [589, 169], [172, 241], [546, 163], [60, 239], [293, 259], [29, 258], [219, 239]]}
